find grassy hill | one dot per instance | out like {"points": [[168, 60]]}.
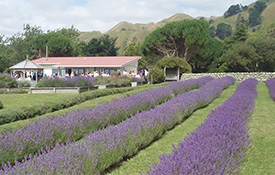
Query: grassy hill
{"points": [[127, 33], [268, 16]]}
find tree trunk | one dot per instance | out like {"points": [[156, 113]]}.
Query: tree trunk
{"points": [[186, 54]]}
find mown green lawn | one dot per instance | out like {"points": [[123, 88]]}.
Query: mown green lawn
{"points": [[164, 144], [11, 101]]}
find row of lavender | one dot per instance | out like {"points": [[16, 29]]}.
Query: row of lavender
{"points": [[72, 126], [219, 144], [106, 147], [271, 86]]}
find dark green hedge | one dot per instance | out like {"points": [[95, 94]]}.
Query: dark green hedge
{"points": [[35, 110], [1, 105], [156, 75]]}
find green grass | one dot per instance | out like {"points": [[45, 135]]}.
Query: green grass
{"points": [[88, 104], [11, 101], [260, 157], [164, 144]]}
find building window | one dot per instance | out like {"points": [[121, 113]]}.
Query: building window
{"points": [[79, 71], [109, 70], [54, 71]]}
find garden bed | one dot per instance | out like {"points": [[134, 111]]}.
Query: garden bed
{"points": [[36, 90], [60, 89]]}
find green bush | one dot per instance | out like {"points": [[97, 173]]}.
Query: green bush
{"points": [[7, 82], [34, 110], [20, 91], [113, 80], [1, 105], [123, 81], [101, 80], [175, 62], [156, 75]]}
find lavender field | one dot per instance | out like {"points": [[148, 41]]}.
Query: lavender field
{"points": [[100, 139]]}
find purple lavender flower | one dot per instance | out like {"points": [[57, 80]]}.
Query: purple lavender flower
{"points": [[271, 86], [103, 148], [219, 144]]}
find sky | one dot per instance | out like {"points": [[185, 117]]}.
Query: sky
{"points": [[100, 15]]}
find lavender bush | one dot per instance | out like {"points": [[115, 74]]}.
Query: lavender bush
{"points": [[219, 144], [76, 81], [271, 86], [72, 126], [108, 146]]}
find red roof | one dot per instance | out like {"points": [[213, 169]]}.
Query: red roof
{"points": [[108, 61]]}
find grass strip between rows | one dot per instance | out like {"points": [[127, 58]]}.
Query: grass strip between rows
{"points": [[260, 158], [104, 148], [48, 132]]}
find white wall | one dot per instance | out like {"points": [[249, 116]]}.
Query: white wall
{"points": [[132, 67], [47, 70]]}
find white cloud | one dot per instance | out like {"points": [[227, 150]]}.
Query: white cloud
{"points": [[101, 15]]}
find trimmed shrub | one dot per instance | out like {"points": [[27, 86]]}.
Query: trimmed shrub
{"points": [[1, 105], [175, 62], [156, 75], [24, 84], [19, 91], [76, 81]]}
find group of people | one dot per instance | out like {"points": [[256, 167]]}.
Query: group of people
{"points": [[141, 74], [29, 76]]}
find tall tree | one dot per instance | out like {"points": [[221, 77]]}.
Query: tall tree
{"points": [[179, 38], [212, 31], [240, 35], [103, 46], [264, 43], [232, 10], [255, 18], [223, 31], [202, 61], [5, 54], [58, 45], [260, 6], [242, 57], [132, 49]]}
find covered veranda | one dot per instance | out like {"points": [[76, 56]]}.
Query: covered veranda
{"points": [[25, 67]]}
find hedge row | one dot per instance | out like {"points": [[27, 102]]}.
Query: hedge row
{"points": [[43, 108], [108, 146]]}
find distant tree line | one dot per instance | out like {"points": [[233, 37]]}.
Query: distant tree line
{"points": [[193, 41], [61, 42], [239, 52], [234, 9]]}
